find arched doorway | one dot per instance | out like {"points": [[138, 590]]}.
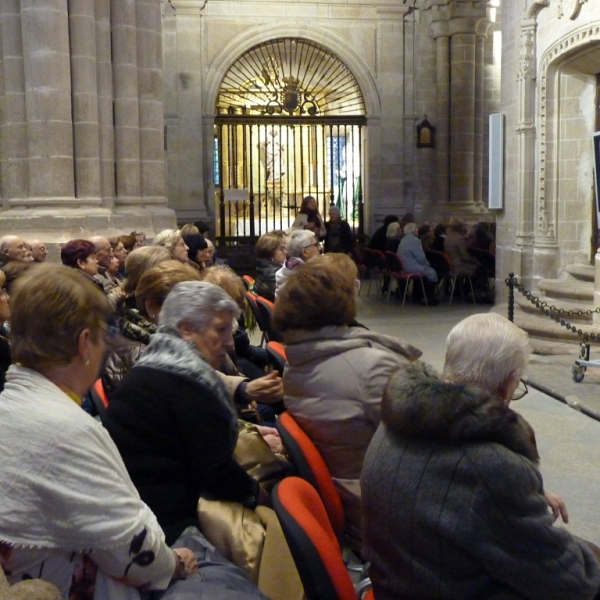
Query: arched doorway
{"points": [[290, 121]]}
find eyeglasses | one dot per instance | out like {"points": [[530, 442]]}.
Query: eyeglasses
{"points": [[521, 391], [317, 245]]}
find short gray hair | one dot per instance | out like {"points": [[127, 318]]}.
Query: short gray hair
{"points": [[409, 228], [485, 350], [298, 240], [196, 303], [167, 238]]}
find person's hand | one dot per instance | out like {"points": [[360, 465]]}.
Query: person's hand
{"points": [[272, 437], [189, 560], [265, 389], [558, 506]]}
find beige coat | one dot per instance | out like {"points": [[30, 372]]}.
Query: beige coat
{"points": [[333, 385]]}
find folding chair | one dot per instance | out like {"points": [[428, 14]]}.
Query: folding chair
{"points": [[313, 543], [259, 317], [248, 282], [99, 398], [454, 277], [265, 307], [276, 356], [396, 270], [309, 465]]}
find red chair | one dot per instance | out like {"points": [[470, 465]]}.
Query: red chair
{"points": [[454, 277], [358, 256], [99, 398], [248, 282], [375, 261], [313, 543], [276, 355], [396, 270], [309, 465], [265, 307], [258, 316]]}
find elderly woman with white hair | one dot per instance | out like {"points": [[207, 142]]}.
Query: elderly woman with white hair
{"points": [[171, 240], [453, 502], [301, 245], [172, 419], [413, 259]]}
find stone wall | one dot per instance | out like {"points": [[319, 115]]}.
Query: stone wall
{"points": [[554, 51]]}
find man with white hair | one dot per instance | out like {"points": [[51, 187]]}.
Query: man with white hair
{"points": [[39, 251], [453, 502], [301, 245], [12, 248]]}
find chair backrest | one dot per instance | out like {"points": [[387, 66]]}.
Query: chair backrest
{"points": [[379, 260], [99, 398], [310, 466], [265, 307], [248, 282], [438, 261], [258, 315], [311, 540], [392, 262], [276, 355]]}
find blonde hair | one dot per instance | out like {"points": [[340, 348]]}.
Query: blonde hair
{"points": [[139, 260], [226, 278], [156, 283], [51, 304]]}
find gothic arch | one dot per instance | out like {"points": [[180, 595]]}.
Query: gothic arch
{"points": [[330, 40]]}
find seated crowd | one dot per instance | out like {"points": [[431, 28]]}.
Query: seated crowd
{"points": [[125, 505]]}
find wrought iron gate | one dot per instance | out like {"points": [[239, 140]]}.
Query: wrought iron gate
{"points": [[290, 123]]}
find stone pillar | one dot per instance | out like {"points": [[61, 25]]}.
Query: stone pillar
{"points": [[47, 66], [106, 139], [82, 32], [479, 116], [462, 112], [442, 66], [126, 107], [150, 97], [13, 150]]}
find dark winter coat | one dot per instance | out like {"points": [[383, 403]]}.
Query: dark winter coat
{"points": [[454, 505], [176, 428]]}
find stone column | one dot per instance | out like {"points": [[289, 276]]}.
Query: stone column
{"points": [[82, 33], [462, 112], [126, 107], [14, 152], [442, 74], [106, 138], [45, 30], [150, 96], [479, 116]]}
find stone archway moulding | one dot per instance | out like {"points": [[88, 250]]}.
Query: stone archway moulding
{"points": [[332, 41], [546, 225]]}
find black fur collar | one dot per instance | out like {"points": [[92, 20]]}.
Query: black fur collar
{"points": [[417, 404]]}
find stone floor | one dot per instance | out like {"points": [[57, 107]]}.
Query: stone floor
{"points": [[568, 441]]}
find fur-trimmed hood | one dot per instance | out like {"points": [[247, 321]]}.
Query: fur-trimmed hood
{"points": [[417, 404]]}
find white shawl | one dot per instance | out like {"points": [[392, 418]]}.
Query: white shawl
{"points": [[63, 483]]}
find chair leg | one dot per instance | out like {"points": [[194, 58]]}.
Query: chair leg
{"points": [[452, 286], [423, 290], [407, 284], [472, 291]]}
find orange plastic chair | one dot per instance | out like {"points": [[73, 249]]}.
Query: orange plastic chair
{"points": [[99, 398], [265, 307], [309, 465], [313, 543], [248, 282], [276, 355]]}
